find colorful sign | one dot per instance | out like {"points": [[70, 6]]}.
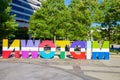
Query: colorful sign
{"points": [[89, 50]]}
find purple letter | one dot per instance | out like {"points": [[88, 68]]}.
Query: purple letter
{"points": [[32, 46]]}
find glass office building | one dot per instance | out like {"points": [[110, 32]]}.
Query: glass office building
{"points": [[23, 9]]}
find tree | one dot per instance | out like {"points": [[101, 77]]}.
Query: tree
{"points": [[81, 12], [7, 22], [108, 14], [115, 35], [73, 22], [55, 19], [45, 22]]}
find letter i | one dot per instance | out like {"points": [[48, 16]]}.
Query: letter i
{"points": [[88, 50]]}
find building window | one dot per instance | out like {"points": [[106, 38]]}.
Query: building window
{"points": [[21, 10], [20, 15], [22, 4]]}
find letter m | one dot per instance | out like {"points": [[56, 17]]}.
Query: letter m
{"points": [[100, 52]]}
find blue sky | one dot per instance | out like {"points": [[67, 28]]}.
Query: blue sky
{"points": [[67, 2]]}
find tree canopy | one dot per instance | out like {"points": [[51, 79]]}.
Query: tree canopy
{"points": [[7, 22], [108, 14], [73, 22]]}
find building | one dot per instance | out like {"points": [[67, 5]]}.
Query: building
{"points": [[23, 9]]}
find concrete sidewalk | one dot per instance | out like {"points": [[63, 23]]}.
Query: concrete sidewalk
{"points": [[57, 69]]}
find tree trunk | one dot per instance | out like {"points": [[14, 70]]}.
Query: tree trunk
{"points": [[54, 39], [109, 26]]}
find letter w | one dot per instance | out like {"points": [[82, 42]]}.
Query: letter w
{"points": [[32, 46]]}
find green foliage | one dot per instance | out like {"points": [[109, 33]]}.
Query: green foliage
{"points": [[81, 19], [115, 35], [55, 19], [74, 22], [45, 21], [7, 22], [108, 14]]}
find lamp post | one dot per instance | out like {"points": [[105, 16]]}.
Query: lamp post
{"points": [[90, 34]]}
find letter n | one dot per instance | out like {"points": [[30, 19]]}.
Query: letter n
{"points": [[15, 46]]}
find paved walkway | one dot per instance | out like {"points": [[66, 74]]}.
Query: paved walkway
{"points": [[56, 69]]}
